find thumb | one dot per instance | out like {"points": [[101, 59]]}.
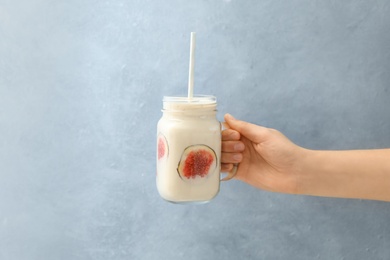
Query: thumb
{"points": [[253, 132]]}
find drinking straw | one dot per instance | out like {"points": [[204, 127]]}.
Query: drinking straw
{"points": [[192, 65]]}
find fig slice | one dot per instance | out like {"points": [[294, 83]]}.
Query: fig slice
{"points": [[197, 161], [162, 147]]}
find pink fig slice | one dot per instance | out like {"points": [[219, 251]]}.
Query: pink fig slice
{"points": [[162, 147], [197, 161]]}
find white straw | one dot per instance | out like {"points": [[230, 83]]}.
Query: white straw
{"points": [[192, 65]]}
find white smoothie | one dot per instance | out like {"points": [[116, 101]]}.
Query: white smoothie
{"points": [[189, 149]]}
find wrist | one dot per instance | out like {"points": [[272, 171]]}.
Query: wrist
{"points": [[304, 166], [318, 175]]}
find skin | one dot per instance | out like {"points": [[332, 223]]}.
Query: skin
{"points": [[268, 160]]}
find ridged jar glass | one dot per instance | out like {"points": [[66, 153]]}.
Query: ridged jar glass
{"points": [[188, 150]]}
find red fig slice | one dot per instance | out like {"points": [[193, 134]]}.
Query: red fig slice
{"points": [[162, 147], [197, 161]]}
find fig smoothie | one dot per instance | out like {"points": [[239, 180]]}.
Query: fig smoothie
{"points": [[188, 150]]}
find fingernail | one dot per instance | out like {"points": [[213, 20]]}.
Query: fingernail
{"points": [[230, 116], [239, 147], [237, 157]]}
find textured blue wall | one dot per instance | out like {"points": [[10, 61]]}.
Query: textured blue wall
{"points": [[81, 84]]}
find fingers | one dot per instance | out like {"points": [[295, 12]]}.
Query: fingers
{"points": [[231, 157], [232, 146], [232, 149], [253, 132], [232, 152], [226, 167], [230, 135]]}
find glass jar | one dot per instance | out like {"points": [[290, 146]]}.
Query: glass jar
{"points": [[188, 150]]}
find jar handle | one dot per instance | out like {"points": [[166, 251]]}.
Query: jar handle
{"points": [[230, 175]]}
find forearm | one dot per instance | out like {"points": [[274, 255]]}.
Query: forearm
{"points": [[363, 174]]}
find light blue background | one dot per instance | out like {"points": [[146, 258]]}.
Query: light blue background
{"points": [[81, 84]]}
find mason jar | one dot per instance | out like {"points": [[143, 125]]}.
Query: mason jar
{"points": [[188, 150]]}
